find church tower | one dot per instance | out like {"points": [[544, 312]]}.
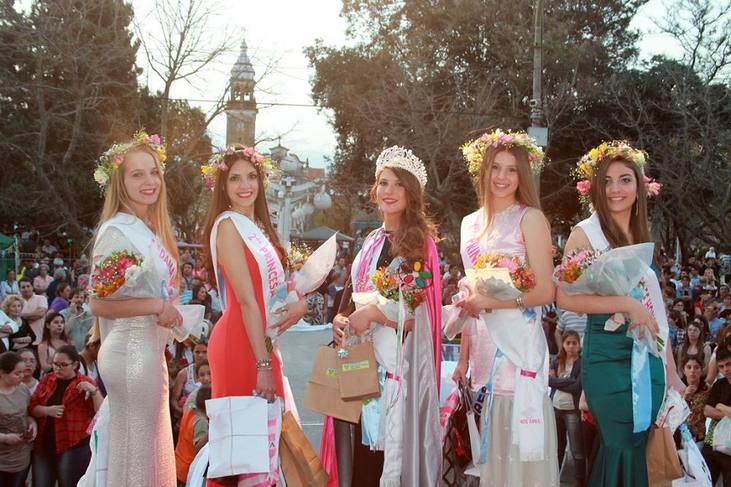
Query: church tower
{"points": [[241, 105]]}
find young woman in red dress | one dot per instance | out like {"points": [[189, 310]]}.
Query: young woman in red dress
{"points": [[248, 260]]}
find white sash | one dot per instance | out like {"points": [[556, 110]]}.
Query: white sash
{"points": [[267, 259], [519, 336], [146, 242]]}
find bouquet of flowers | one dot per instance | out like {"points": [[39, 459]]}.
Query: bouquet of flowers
{"points": [[402, 278], [114, 272], [616, 272], [501, 276]]}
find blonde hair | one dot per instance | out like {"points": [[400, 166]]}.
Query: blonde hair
{"points": [[116, 199], [526, 193], [10, 299]]}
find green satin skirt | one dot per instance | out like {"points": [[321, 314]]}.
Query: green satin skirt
{"points": [[606, 379]]}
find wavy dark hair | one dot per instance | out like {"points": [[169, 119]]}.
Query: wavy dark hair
{"points": [[220, 202], [409, 241]]}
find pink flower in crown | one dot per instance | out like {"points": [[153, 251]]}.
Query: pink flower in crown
{"points": [[505, 139], [249, 152], [118, 160], [154, 139], [258, 157], [209, 181], [583, 187], [222, 166]]}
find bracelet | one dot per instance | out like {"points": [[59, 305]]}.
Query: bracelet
{"points": [[519, 302], [264, 364]]}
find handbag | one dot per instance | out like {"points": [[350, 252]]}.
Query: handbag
{"points": [[300, 463], [243, 436], [663, 464], [358, 372], [323, 388]]}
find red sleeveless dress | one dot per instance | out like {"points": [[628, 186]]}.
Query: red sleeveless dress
{"points": [[232, 361]]}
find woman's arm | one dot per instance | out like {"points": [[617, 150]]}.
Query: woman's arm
{"points": [[43, 357], [712, 371]]}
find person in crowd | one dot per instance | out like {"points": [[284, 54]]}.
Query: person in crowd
{"points": [[717, 407], [200, 423], [78, 318], [187, 276], [614, 173], [696, 392], [201, 296], [59, 276], [723, 293], [8, 326], [54, 337], [64, 403], [335, 294], [677, 329], [316, 306], [723, 341], [186, 381], [683, 288], [17, 428], [30, 370], [695, 345], [48, 249], [450, 289], [565, 382], [510, 222], [410, 453], [249, 264], [550, 321], [9, 285], [35, 307], [185, 450], [63, 297], [568, 320], [715, 323], [88, 361], [131, 359], [42, 280], [12, 307]]}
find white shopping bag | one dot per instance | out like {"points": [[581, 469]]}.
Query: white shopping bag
{"points": [[722, 436], [673, 412], [695, 470], [474, 443], [238, 435], [197, 470]]}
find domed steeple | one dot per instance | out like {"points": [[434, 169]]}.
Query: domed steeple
{"points": [[241, 106]]}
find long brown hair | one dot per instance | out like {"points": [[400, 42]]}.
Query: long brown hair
{"points": [[220, 202], [638, 218], [526, 193], [562, 352], [415, 226]]}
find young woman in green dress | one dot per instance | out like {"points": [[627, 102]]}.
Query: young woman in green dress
{"points": [[615, 186]]}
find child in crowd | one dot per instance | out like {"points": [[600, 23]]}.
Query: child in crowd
{"points": [[718, 406]]}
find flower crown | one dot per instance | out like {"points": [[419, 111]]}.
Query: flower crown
{"points": [[114, 156], [611, 151], [403, 159], [217, 163], [474, 150]]}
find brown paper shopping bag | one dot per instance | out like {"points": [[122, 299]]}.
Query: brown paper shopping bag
{"points": [[300, 463], [323, 389], [358, 373], [663, 464]]}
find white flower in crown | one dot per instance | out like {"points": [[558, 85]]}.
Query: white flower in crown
{"points": [[403, 159]]}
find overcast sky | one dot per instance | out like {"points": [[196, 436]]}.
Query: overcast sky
{"points": [[281, 29]]}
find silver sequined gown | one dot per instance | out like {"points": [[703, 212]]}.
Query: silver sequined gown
{"points": [[132, 363]]}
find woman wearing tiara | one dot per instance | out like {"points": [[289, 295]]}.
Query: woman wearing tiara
{"points": [[518, 424], [134, 332], [397, 441], [615, 185], [248, 262]]}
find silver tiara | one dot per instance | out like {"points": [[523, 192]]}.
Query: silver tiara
{"points": [[403, 159]]}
